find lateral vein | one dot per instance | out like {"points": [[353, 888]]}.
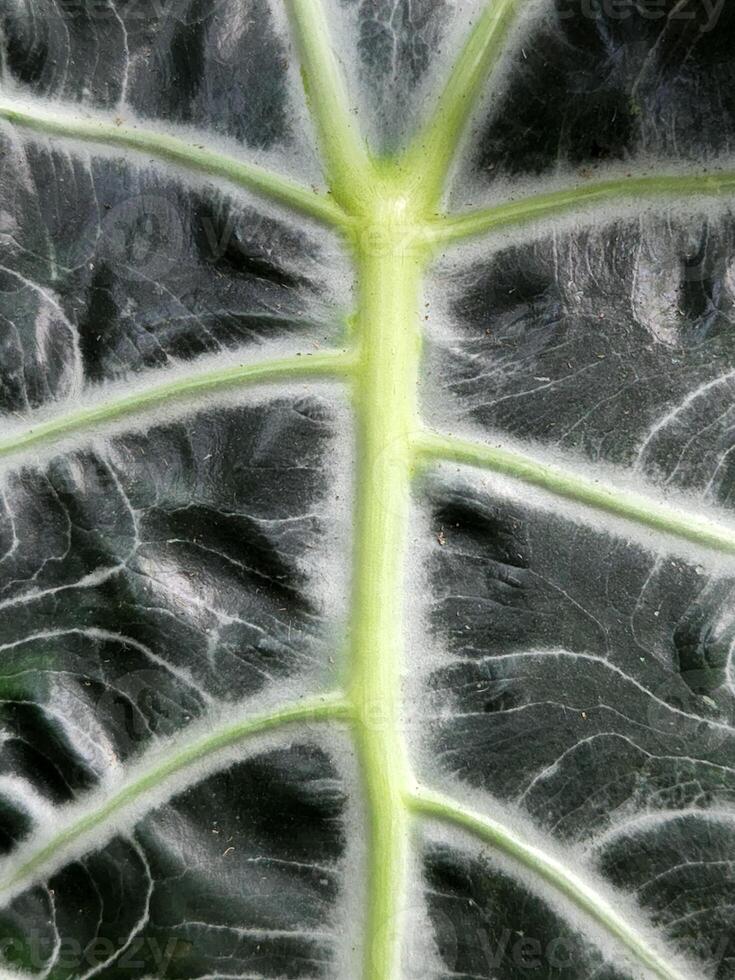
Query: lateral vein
{"points": [[428, 803], [628, 505], [142, 404], [456, 228], [35, 860], [343, 150], [433, 150], [63, 122]]}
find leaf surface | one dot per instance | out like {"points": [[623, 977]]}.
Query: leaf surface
{"points": [[366, 540]]}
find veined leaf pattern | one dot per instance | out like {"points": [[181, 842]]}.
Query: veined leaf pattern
{"points": [[366, 590]]}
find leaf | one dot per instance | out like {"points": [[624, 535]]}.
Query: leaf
{"points": [[365, 511]]}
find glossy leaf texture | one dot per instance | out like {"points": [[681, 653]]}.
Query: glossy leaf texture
{"points": [[229, 233]]}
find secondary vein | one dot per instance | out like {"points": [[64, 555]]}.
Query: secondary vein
{"points": [[65, 123], [631, 506], [549, 869], [343, 150], [433, 150], [190, 389], [34, 861], [456, 228]]}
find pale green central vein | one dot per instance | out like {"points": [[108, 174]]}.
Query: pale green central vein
{"points": [[386, 375], [547, 868], [386, 381], [66, 124], [595, 193], [629, 506], [183, 390], [320, 709]]}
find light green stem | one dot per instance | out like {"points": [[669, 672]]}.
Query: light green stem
{"points": [[61, 122], [594, 194], [624, 504], [389, 276], [343, 149], [320, 709], [547, 868], [434, 149], [192, 390]]}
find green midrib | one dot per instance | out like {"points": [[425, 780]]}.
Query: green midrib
{"points": [[386, 408]]}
